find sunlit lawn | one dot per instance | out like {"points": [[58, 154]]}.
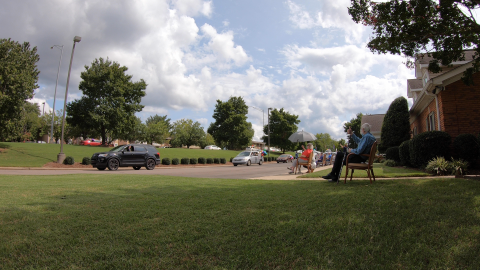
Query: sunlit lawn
{"points": [[379, 169], [157, 222]]}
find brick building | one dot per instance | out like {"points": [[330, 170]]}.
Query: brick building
{"points": [[441, 101]]}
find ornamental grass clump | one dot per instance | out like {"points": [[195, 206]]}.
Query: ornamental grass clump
{"points": [[439, 166], [459, 167]]}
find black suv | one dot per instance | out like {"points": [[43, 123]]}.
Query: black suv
{"points": [[130, 155]]}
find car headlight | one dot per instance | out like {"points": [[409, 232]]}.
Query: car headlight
{"points": [[102, 155]]}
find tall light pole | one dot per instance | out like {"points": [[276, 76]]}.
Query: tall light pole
{"points": [[268, 119], [61, 155], [55, 96], [43, 111]]}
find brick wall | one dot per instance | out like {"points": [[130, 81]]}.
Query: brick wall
{"points": [[421, 121]]}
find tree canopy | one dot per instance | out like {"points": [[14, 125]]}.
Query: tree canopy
{"points": [[355, 124], [231, 128], [396, 125], [324, 141], [18, 80], [186, 132], [282, 125], [157, 128], [441, 29], [110, 100]]}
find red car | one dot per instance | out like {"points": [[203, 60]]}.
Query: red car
{"points": [[91, 142]]}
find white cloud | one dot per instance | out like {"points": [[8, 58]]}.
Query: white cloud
{"points": [[193, 7]]}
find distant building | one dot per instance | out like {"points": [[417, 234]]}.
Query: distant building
{"points": [[376, 122]]}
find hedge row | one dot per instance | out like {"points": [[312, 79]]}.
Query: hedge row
{"points": [[202, 160]]}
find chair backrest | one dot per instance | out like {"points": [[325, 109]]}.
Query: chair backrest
{"points": [[373, 151]]}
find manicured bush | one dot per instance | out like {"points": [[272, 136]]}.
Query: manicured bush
{"points": [[202, 160], [216, 160], [166, 161], [193, 161], [429, 145], [185, 161], [175, 161], [223, 161], [209, 160], [393, 153], [86, 161], [439, 166], [69, 161], [390, 163], [466, 147], [396, 125], [404, 152]]}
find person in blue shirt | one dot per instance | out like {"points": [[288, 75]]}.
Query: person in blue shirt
{"points": [[364, 146]]}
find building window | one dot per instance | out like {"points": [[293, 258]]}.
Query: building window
{"points": [[425, 78], [415, 132], [431, 121]]}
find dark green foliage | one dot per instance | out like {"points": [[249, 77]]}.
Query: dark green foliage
{"points": [[282, 125], [429, 145], [269, 158], [186, 132], [396, 125], [223, 161], [216, 160], [175, 161], [466, 147], [209, 160], [86, 161], [166, 161], [393, 153], [231, 159], [404, 152], [69, 161], [193, 161], [185, 161], [390, 163], [202, 160]]}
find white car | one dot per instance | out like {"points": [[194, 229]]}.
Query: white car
{"points": [[248, 157], [212, 147]]}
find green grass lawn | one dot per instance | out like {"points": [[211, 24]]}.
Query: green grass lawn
{"points": [[379, 169], [37, 154], [157, 222]]}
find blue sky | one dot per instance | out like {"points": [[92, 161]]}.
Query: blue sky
{"points": [[307, 56]]}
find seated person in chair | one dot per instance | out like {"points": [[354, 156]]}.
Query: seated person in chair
{"points": [[364, 146], [303, 158]]}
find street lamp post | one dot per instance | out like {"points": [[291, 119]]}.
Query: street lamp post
{"points": [[268, 119], [55, 96], [61, 155], [43, 111]]}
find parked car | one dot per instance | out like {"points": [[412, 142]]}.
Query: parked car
{"points": [[130, 155], [212, 147], [285, 158], [91, 142], [248, 157]]}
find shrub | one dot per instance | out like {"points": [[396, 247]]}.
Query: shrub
{"points": [[175, 161], [390, 163], [209, 160], [404, 152], [193, 161], [393, 153], [382, 160], [231, 159], [428, 145], [439, 166], [459, 166], [466, 147], [223, 160], [216, 160], [396, 125], [69, 161], [185, 161], [86, 161], [166, 161], [202, 160]]}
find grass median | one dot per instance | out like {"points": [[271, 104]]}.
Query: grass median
{"points": [[379, 169], [161, 222]]}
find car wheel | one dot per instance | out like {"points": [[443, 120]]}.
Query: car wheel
{"points": [[113, 164], [235, 164], [261, 162], [100, 168], [278, 161], [150, 164], [136, 168], [249, 163], [285, 161]]}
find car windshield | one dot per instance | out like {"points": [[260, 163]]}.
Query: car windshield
{"points": [[284, 155], [117, 149], [244, 154]]}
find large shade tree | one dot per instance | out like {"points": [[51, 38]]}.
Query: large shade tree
{"points": [[186, 132], [157, 128], [442, 29], [18, 80], [396, 125], [110, 100], [231, 128], [282, 125]]}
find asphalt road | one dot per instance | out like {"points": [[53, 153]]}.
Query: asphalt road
{"points": [[224, 171]]}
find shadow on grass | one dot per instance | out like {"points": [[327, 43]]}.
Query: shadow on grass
{"points": [[180, 223]]}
